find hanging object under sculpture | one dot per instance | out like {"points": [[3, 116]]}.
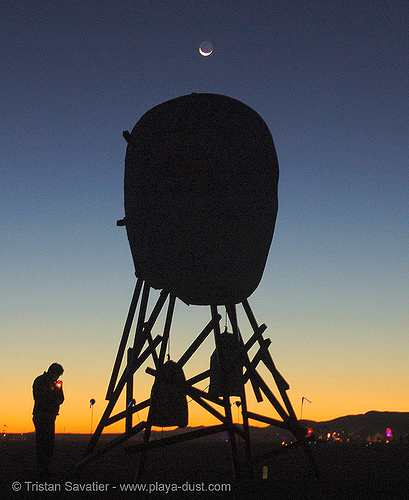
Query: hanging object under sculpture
{"points": [[201, 176], [168, 405], [226, 367]]}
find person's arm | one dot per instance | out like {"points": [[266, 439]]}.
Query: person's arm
{"points": [[40, 391]]}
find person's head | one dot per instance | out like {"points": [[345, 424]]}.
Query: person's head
{"points": [[55, 370]]}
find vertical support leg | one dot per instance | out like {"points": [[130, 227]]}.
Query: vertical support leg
{"points": [[166, 330], [232, 438], [129, 395], [226, 400], [232, 313], [143, 454], [158, 362], [246, 429], [148, 325]]}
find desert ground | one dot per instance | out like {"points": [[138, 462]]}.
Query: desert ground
{"points": [[191, 469]]}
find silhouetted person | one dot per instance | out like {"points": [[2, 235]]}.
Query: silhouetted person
{"points": [[48, 395]]}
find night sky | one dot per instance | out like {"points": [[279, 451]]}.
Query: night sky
{"points": [[330, 78]]}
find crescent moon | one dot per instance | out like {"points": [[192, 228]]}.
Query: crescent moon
{"points": [[205, 48], [203, 53]]}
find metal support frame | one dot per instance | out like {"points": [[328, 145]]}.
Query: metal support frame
{"points": [[145, 347]]}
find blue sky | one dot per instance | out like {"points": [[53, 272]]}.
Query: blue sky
{"points": [[329, 78]]}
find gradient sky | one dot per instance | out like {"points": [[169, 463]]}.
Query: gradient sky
{"points": [[330, 78]]}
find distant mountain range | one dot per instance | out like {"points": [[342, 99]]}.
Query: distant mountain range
{"points": [[359, 426], [364, 424]]}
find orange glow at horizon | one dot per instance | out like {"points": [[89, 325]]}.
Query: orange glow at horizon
{"points": [[75, 413]]}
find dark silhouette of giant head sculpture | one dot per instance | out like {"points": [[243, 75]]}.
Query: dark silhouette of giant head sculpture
{"points": [[201, 177]]}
